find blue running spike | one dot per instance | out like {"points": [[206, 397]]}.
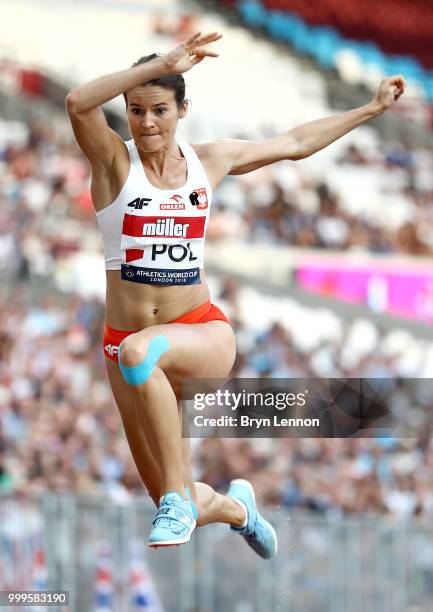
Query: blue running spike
{"points": [[258, 533], [174, 521]]}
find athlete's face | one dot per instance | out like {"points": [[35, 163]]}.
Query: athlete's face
{"points": [[153, 116]]}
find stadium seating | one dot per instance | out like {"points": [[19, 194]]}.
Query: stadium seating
{"points": [[304, 26]]}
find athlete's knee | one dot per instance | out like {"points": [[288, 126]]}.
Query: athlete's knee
{"points": [[130, 354], [138, 362]]}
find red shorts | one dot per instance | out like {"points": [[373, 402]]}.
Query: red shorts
{"points": [[202, 314]]}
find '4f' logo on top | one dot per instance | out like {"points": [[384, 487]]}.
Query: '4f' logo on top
{"points": [[199, 198], [138, 203]]}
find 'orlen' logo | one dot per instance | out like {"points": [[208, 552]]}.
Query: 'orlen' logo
{"points": [[111, 349], [138, 203], [199, 198], [176, 203]]}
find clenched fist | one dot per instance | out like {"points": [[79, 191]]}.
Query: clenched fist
{"points": [[390, 90]]}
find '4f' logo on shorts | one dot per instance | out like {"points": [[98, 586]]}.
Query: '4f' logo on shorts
{"points": [[111, 349]]}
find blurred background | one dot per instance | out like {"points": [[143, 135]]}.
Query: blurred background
{"points": [[323, 266]]}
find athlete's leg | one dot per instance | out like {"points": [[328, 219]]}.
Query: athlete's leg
{"points": [[212, 506], [204, 350], [208, 353], [157, 412], [144, 460]]}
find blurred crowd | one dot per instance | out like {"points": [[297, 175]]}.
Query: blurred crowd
{"points": [[59, 426], [380, 202], [333, 476], [46, 212]]}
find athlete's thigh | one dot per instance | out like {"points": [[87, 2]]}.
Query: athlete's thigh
{"points": [[200, 350]]}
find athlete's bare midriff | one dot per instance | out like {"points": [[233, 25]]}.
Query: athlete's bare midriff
{"points": [[134, 306], [138, 306]]}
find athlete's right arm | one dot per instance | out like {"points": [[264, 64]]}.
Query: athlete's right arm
{"points": [[97, 140]]}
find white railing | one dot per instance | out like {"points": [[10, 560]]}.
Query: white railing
{"points": [[90, 547]]}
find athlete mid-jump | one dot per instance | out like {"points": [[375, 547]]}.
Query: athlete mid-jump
{"points": [[152, 196]]}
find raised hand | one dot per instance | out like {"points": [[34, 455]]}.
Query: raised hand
{"points": [[390, 90], [190, 53]]}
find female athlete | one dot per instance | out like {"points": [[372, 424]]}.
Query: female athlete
{"points": [[152, 196]]}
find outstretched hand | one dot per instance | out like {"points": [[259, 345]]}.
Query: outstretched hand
{"points": [[390, 90], [190, 53]]}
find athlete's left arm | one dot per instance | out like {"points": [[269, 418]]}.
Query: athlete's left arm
{"points": [[240, 156]]}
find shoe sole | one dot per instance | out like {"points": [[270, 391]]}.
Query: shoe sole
{"points": [[247, 484], [173, 542]]}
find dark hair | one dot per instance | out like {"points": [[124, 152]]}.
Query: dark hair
{"points": [[175, 82]]}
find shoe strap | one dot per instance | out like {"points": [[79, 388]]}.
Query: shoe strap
{"points": [[171, 512]]}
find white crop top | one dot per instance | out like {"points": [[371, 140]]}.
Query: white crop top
{"points": [[156, 236]]}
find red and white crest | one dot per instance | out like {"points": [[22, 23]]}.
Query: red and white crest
{"points": [[199, 198]]}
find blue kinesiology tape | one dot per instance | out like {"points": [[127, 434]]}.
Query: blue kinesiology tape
{"points": [[139, 374]]}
